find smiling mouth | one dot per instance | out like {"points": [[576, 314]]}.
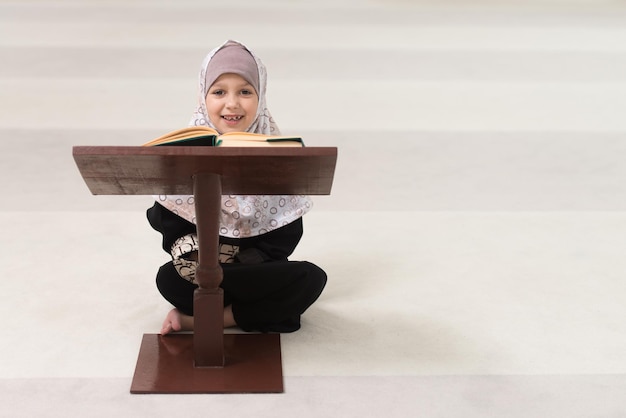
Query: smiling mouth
{"points": [[232, 118]]}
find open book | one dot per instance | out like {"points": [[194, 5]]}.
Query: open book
{"points": [[206, 136]]}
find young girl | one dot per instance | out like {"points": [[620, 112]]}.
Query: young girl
{"points": [[263, 291]]}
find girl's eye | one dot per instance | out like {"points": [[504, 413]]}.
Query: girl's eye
{"points": [[246, 92], [217, 92]]}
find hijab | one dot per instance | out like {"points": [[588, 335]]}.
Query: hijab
{"points": [[241, 215]]}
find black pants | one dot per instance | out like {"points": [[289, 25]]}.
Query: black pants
{"points": [[266, 297]]}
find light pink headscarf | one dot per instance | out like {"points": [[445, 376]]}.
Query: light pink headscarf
{"points": [[235, 59], [263, 123]]}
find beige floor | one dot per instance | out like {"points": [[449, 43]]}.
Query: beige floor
{"points": [[474, 239]]}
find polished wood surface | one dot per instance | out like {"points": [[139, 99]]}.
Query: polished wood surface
{"points": [[112, 170], [166, 365]]}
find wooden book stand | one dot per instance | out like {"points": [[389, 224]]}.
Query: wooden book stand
{"points": [[207, 361]]}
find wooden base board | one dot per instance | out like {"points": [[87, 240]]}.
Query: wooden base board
{"points": [[253, 364]]}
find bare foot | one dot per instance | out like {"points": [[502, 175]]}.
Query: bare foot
{"points": [[176, 321], [229, 319]]}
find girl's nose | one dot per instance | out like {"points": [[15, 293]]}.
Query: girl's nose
{"points": [[233, 101]]}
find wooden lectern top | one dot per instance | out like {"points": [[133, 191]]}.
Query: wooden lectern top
{"points": [[135, 170]]}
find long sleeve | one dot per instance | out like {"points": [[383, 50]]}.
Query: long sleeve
{"points": [[171, 226]]}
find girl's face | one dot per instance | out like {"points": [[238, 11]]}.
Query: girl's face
{"points": [[231, 103]]}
